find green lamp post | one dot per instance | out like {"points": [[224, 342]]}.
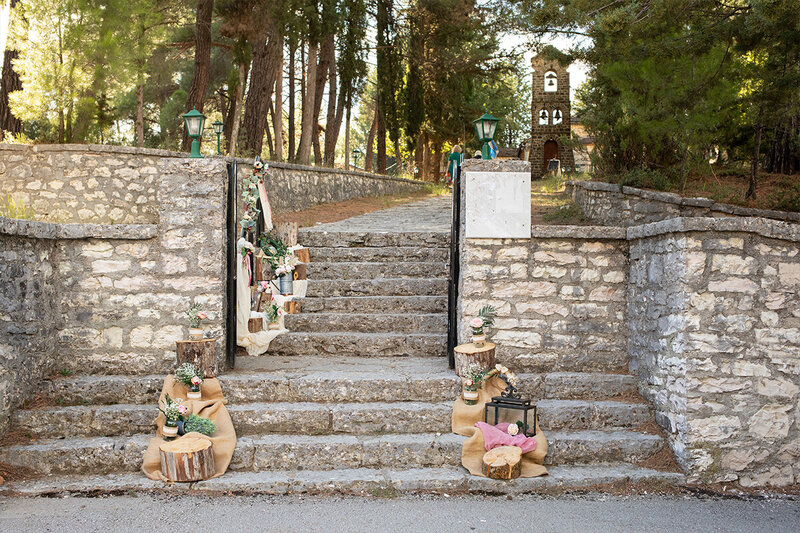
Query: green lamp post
{"points": [[485, 128], [194, 121], [356, 155], [217, 125]]}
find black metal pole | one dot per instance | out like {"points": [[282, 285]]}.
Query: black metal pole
{"points": [[452, 289], [230, 262]]}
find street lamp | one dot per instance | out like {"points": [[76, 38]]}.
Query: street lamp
{"points": [[217, 125], [194, 121], [356, 155], [485, 127]]}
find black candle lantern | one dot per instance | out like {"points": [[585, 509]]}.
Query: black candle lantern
{"points": [[510, 399]]}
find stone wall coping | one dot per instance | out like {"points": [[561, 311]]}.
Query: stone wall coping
{"points": [[52, 230], [329, 170], [773, 229], [676, 199], [578, 232], [91, 148]]}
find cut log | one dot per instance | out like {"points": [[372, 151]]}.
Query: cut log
{"points": [[504, 462], [254, 325], [287, 232], [262, 271], [466, 354], [300, 272], [302, 255], [202, 354], [290, 307], [187, 459]]}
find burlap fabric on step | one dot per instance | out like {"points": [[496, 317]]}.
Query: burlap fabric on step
{"points": [[212, 406], [472, 451]]}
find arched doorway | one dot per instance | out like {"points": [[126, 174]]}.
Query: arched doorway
{"points": [[550, 152]]}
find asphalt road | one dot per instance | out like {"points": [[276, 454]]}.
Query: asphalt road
{"points": [[606, 514]]}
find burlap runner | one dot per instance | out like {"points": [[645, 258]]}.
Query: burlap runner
{"points": [[472, 451], [212, 406]]}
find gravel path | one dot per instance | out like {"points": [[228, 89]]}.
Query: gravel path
{"points": [[438, 514], [431, 214]]}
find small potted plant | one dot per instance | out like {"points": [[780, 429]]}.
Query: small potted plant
{"points": [[195, 316], [479, 324], [274, 313], [188, 374], [284, 273], [173, 411]]}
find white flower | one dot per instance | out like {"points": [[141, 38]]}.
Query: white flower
{"points": [[513, 429]]}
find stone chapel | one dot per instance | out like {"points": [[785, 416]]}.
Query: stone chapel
{"points": [[550, 113]]}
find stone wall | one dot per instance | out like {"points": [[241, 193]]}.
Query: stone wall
{"points": [[606, 203], [560, 293], [714, 335], [109, 299]]}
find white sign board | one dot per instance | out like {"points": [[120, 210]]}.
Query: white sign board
{"points": [[497, 205]]}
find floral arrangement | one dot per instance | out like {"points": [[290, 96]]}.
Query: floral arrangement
{"points": [[273, 249], [274, 312], [250, 197], [199, 424], [476, 376], [189, 375], [195, 315], [485, 319], [173, 409]]}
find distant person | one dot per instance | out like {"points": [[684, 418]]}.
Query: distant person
{"points": [[477, 154], [453, 164]]}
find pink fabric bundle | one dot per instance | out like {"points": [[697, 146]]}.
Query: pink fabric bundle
{"points": [[495, 436]]}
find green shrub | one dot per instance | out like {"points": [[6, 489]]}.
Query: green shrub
{"points": [[788, 199], [15, 208], [199, 424], [650, 179]]}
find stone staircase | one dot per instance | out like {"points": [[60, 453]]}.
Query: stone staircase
{"points": [[356, 398]]}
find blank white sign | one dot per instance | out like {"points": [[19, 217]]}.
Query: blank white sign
{"points": [[497, 205]]}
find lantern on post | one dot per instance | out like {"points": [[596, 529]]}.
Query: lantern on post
{"points": [[511, 400], [356, 154], [217, 125], [194, 121], [485, 128]]}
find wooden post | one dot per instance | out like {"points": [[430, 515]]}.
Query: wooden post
{"points": [[300, 272], [290, 307], [504, 462], [466, 354], [302, 255], [202, 354], [187, 459], [254, 325]]}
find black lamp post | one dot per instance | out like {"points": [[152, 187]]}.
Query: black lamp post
{"points": [[217, 125], [356, 154]]}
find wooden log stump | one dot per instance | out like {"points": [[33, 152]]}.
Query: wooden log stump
{"points": [[504, 462], [262, 271], [287, 232], [466, 354], [202, 354], [290, 307], [187, 459], [300, 272], [302, 255], [254, 325]]}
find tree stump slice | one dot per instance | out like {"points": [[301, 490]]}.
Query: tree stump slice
{"points": [[187, 459], [254, 325], [201, 353], [300, 272], [302, 255], [466, 354], [287, 232], [504, 462]]}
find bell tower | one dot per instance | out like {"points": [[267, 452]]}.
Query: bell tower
{"points": [[550, 113]]}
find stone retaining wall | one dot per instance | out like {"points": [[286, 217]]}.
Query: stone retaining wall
{"points": [[560, 296], [88, 298], [714, 336], [610, 204]]}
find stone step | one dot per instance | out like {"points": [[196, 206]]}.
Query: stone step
{"points": [[374, 304], [595, 361], [391, 254], [105, 455], [360, 481], [334, 379], [367, 323], [312, 238], [360, 344], [308, 418], [377, 287], [356, 271]]}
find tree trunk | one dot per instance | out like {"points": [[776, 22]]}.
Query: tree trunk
{"points": [[140, 115], [292, 50], [308, 127], [202, 61], [270, 146], [381, 141], [751, 189], [347, 142], [277, 110], [326, 57], [371, 142], [266, 55], [419, 157], [335, 115], [237, 110], [9, 83]]}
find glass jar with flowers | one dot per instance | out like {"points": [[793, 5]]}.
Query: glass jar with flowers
{"points": [[474, 380], [189, 375], [173, 410], [274, 314], [479, 324], [195, 315]]}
